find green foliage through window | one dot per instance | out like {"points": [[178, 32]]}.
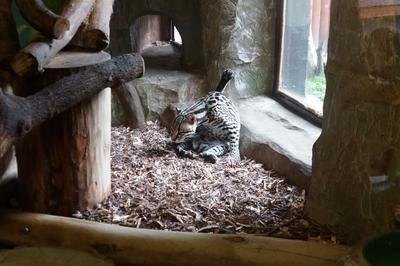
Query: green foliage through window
{"points": [[316, 86]]}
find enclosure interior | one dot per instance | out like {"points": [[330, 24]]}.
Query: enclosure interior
{"points": [[316, 88]]}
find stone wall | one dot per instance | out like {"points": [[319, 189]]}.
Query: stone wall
{"points": [[216, 34], [240, 34], [361, 130]]}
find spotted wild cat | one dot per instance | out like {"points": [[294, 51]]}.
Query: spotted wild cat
{"points": [[209, 128]]}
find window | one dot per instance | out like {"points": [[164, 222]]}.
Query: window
{"points": [[303, 46]]}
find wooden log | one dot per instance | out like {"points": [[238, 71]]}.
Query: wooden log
{"points": [[49, 256], [131, 105], [72, 166], [34, 57], [95, 34], [129, 246], [8, 35], [43, 19], [18, 115]]}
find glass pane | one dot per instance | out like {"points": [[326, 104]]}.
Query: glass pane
{"points": [[304, 51]]}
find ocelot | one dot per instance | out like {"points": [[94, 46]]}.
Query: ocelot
{"points": [[209, 128]]}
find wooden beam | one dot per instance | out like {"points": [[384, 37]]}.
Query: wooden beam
{"points": [[129, 246]]}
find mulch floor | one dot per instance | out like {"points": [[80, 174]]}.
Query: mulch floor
{"points": [[154, 188]]}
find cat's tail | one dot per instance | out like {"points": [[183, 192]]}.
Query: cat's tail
{"points": [[226, 76]]}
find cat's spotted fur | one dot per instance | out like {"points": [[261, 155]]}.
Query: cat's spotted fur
{"points": [[209, 128]]}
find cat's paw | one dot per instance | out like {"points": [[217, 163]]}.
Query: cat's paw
{"points": [[212, 158], [170, 142]]}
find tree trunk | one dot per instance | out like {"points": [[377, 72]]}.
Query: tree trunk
{"points": [[71, 167]]}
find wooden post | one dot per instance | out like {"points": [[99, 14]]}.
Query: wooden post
{"points": [[64, 164], [71, 165], [131, 105]]}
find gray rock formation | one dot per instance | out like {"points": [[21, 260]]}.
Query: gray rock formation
{"points": [[240, 35], [159, 88]]}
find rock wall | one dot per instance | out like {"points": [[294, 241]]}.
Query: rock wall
{"points": [[361, 130], [216, 34], [240, 34], [159, 88]]}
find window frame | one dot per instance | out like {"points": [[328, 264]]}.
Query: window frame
{"points": [[287, 101]]}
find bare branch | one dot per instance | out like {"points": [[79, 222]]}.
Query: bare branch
{"points": [[18, 115]]}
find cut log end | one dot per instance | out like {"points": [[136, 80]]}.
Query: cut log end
{"points": [[61, 26], [96, 39], [24, 64]]}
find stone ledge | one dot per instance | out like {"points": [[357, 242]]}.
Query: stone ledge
{"points": [[277, 138]]}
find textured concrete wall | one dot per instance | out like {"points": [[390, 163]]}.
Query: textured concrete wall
{"points": [[361, 130]]}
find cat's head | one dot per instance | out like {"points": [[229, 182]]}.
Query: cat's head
{"points": [[183, 126]]}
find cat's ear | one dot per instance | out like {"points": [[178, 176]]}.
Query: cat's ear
{"points": [[192, 119], [177, 110]]}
